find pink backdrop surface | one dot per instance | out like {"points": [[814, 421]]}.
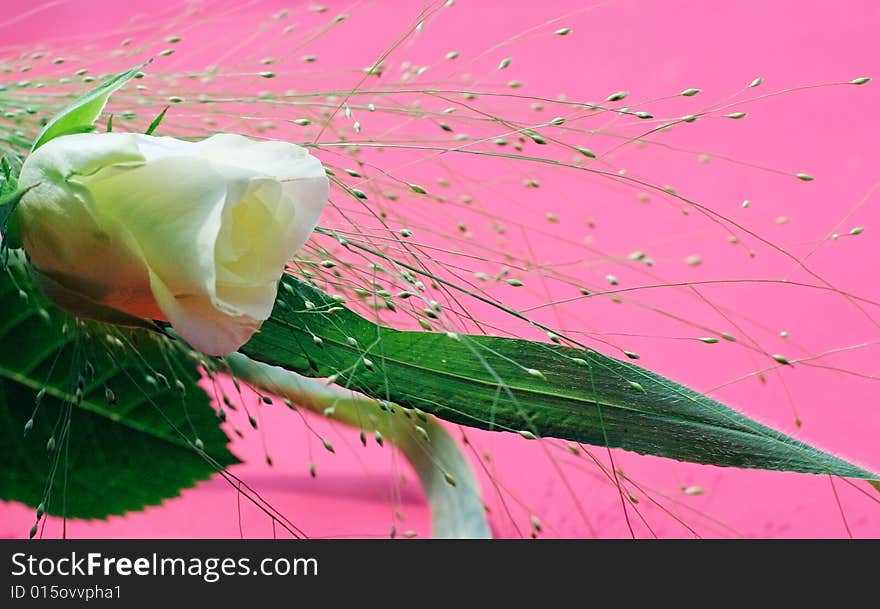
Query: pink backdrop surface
{"points": [[651, 48]]}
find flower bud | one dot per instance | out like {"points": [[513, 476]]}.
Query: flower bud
{"points": [[126, 228]]}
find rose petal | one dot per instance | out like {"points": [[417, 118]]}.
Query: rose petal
{"points": [[201, 323], [175, 227]]}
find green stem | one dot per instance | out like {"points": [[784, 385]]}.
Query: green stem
{"points": [[457, 509]]}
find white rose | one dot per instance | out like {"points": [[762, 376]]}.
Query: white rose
{"points": [[193, 233]]}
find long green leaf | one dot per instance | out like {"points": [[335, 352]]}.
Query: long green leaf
{"points": [[532, 388], [457, 509], [81, 115], [112, 429]]}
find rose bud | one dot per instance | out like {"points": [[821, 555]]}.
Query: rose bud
{"points": [[121, 226]]}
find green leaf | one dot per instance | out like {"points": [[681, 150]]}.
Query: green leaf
{"points": [[81, 115], [457, 509], [6, 169], [156, 121], [131, 441], [531, 388], [8, 220]]}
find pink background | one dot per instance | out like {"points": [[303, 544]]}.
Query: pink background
{"points": [[653, 49]]}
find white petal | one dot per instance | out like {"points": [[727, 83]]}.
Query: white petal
{"points": [[197, 233], [172, 210], [80, 154], [261, 231], [255, 301], [154, 148], [59, 227], [251, 247], [308, 196], [202, 324], [64, 237], [305, 182], [177, 230], [69, 294], [280, 160]]}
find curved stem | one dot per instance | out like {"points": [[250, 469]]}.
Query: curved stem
{"points": [[457, 509]]}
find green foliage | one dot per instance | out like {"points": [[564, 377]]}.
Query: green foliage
{"points": [[154, 124], [444, 472], [10, 196], [531, 388], [80, 116], [91, 425]]}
